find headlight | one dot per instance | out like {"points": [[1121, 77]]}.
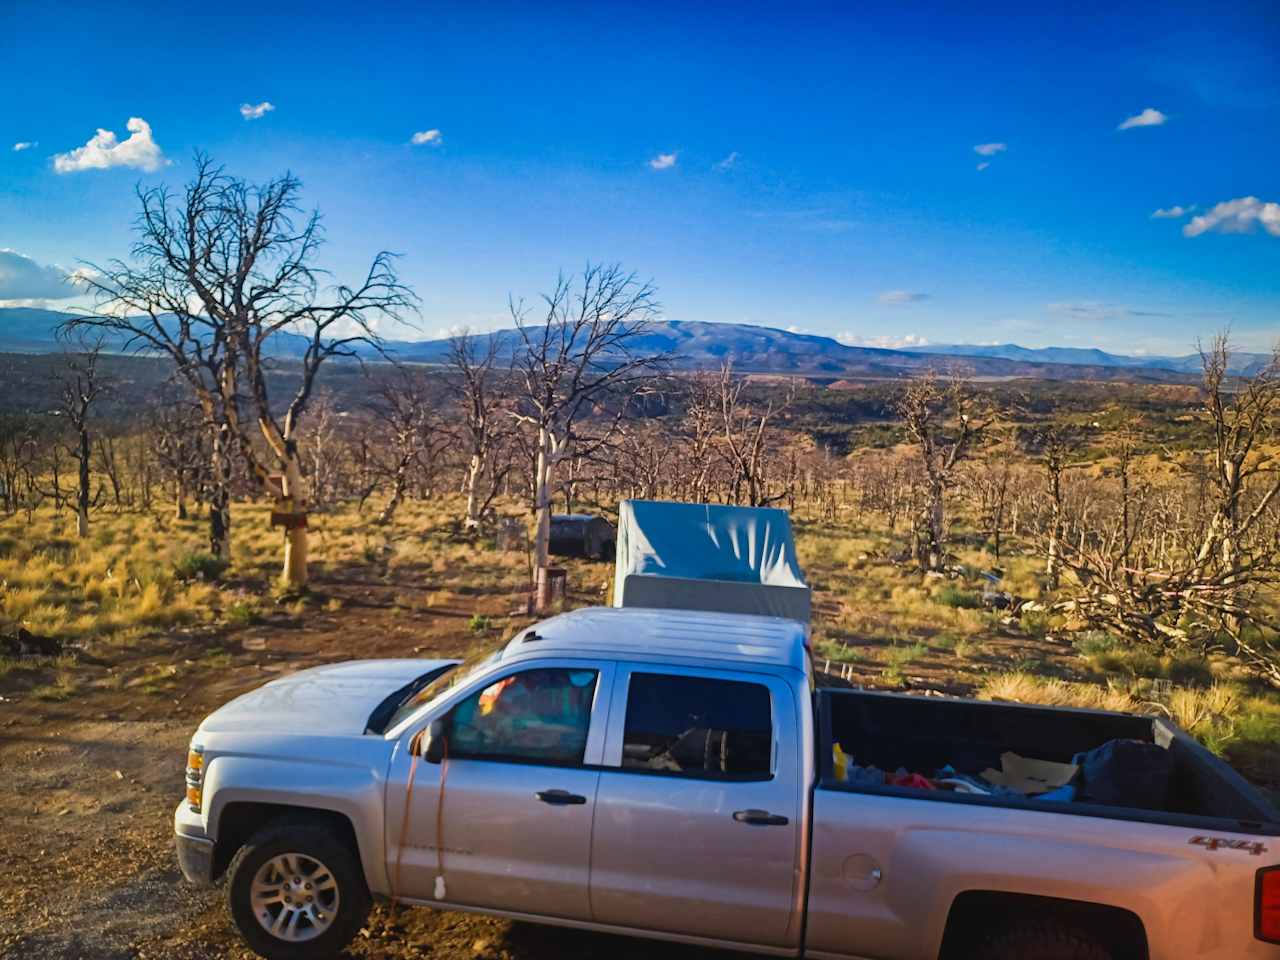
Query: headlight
{"points": [[195, 774]]}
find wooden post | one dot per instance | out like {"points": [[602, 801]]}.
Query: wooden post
{"points": [[550, 585]]}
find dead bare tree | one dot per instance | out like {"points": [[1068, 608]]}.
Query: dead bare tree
{"points": [[1242, 421], [582, 355], [222, 279], [1058, 449], [988, 485], [701, 431], [1140, 570], [745, 438], [483, 393], [82, 387], [939, 419], [412, 436], [178, 443], [20, 437]]}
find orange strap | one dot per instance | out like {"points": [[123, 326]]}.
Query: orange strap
{"points": [[404, 830], [444, 775], [404, 821]]}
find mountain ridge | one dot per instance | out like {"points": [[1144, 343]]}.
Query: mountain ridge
{"points": [[1242, 362], [697, 344]]}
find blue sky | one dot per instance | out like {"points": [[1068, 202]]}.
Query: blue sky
{"points": [[788, 165]]}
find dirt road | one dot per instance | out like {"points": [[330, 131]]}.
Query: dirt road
{"points": [[89, 873], [89, 778]]}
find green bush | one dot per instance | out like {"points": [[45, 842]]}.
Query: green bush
{"points": [[478, 623], [899, 656], [199, 566], [1094, 643], [953, 596], [243, 613], [1035, 623]]}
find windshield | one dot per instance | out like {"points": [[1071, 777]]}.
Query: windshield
{"points": [[417, 697]]}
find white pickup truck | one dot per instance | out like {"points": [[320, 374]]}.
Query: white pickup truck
{"points": [[670, 774]]}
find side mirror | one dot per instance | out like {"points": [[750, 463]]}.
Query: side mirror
{"points": [[431, 742]]}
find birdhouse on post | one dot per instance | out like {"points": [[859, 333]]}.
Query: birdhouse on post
{"points": [[291, 519]]}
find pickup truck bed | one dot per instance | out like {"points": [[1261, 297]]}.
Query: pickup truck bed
{"points": [[892, 730], [953, 864]]}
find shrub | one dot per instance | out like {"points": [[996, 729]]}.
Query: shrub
{"points": [[478, 623], [898, 657], [1094, 643], [1035, 623], [953, 596], [837, 651], [1028, 688], [243, 613], [199, 566]]}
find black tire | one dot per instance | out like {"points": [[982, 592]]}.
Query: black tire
{"points": [[1043, 941], [311, 840]]}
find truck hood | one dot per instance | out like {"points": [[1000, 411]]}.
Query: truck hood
{"points": [[334, 700]]}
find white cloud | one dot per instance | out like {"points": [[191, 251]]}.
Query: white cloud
{"points": [[22, 278], [1089, 310], [726, 164], [663, 161], [1150, 117], [1094, 311], [433, 137], [256, 111], [884, 342], [990, 149], [902, 296], [104, 150], [1172, 213], [984, 164], [24, 145], [1237, 216]]}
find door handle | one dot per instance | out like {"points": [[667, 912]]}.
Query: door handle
{"points": [[761, 818], [560, 798]]}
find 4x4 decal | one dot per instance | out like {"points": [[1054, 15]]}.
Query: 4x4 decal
{"points": [[1223, 843]]}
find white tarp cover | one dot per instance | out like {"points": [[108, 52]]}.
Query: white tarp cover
{"points": [[698, 556]]}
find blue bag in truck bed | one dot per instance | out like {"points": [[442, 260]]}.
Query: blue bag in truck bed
{"points": [[1126, 773], [701, 556]]}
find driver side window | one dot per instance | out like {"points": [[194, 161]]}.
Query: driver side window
{"points": [[535, 716]]}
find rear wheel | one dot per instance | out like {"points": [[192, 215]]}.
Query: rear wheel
{"points": [[295, 891], [1043, 941]]}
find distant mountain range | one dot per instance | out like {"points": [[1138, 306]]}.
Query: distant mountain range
{"points": [[754, 349], [1240, 363]]}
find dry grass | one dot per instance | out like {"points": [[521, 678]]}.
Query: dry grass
{"points": [[128, 580], [1209, 713], [1021, 687]]}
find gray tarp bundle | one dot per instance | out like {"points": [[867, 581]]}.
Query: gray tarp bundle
{"points": [[698, 556]]}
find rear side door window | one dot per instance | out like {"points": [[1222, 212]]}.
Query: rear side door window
{"points": [[698, 726]]}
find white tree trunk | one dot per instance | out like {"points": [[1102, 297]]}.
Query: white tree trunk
{"points": [[294, 573], [473, 481], [542, 503], [220, 499]]}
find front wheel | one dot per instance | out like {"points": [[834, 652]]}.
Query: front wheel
{"points": [[1043, 941], [295, 891]]}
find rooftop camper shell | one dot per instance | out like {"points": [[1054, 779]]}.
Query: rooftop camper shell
{"points": [[699, 556]]}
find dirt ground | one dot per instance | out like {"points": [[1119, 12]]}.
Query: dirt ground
{"points": [[88, 783]]}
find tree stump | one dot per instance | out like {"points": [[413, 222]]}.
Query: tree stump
{"points": [[549, 587]]}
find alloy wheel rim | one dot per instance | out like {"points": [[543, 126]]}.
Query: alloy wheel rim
{"points": [[294, 897]]}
